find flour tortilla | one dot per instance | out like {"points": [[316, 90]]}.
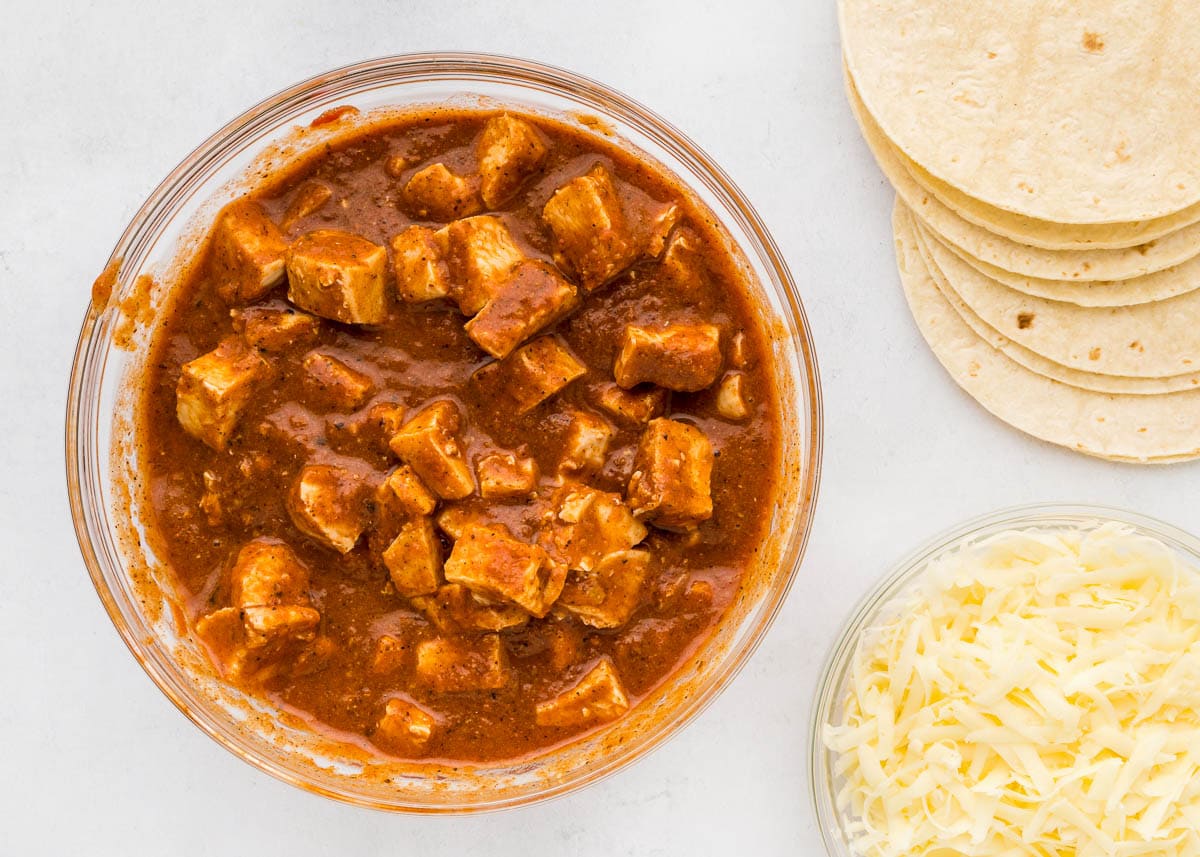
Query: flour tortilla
{"points": [[1158, 286], [1154, 340], [1027, 261], [1128, 428], [1059, 110], [909, 232], [1045, 233]]}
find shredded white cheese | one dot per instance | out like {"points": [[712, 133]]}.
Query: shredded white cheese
{"points": [[1037, 693]]}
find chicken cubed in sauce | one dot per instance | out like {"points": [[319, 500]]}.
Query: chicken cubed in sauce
{"points": [[335, 383], [531, 298], [505, 475], [605, 595], [338, 276], [632, 408], [275, 328], [434, 502], [421, 272], [404, 489], [530, 375], [585, 444], [479, 252], [461, 664], [404, 726], [510, 150], [435, 193], [591, 236], [597, 698], [247, 252], [672, 471], [684, 357], [326, 504], [214, 390], [414, 558], [428, 443], [491, 562]]}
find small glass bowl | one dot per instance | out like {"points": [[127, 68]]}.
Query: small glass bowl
{"points": [[102, 460], [832, 686]]}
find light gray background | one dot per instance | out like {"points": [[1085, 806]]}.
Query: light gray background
{"points": [[99, 101]]}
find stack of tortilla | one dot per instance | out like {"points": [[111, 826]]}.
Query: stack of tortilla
{"points": [[1046, 161]]}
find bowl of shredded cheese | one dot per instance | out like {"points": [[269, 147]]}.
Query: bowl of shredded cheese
{"points": [[1027, 684]]}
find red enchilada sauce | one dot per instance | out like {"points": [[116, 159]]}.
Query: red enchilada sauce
{"points": [[461, 435]]}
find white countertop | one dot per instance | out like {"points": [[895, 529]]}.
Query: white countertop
{"points": [[99, 102]]}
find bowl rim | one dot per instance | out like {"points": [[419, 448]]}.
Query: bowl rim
{"points": [[903, 573], [91, 353]]}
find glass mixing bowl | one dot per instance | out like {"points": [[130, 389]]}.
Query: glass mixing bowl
{"points": [[102, 462], [869, 611]]}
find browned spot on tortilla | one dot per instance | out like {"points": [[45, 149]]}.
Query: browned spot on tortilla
{"points": [[1087, 266], [973, 369], [1094, 354], [1025, 320], [102, 288], [1092, 42], [1137, 346], [1141, 430], [1025, 187], [1120, 152], [1099, 419], [1144, 248], [991, 55], [333, 114]]}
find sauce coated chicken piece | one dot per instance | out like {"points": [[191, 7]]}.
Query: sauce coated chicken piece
{"points": [[408, 440], [339, 276]]}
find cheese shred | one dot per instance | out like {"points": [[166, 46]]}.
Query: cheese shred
{"points": [[1035, 693]]}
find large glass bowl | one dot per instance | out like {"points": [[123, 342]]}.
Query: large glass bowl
{"points": [[873, 608], [102, 457]]}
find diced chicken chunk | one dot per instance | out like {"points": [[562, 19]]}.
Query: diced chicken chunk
{"points": [[404, 726], [739, 354], [531, 298], [634, 407], [480, 252], [504, 475], [454, 520], [309, 199], [597, 698], [435, 193], [338, 276], [590, 524], [271, 621], [215, 388], [660, 223], [491, 563], [585, 444], [390, 654], [325, 503], [336, 383], [247, 252], [509, 151], [275, 328], [404, 488], [428, 443], [672, 471], [456, 665], [421, 273], [731, 397], [455, 608], [414, 558], [267, 573], [607, 595], [682, 264], [265, 624], [591, 235], [685, 357], [258, 642], [530, 375]]}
